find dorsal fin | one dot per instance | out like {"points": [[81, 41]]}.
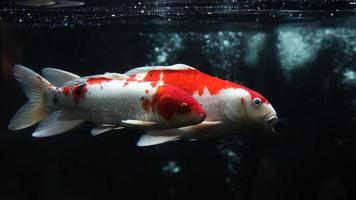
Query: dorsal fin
{"points": [[140, 70], [58, 77]]}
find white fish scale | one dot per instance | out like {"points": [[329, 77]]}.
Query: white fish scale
{"points": [[118, 102], [213, 108], [213, 105]]}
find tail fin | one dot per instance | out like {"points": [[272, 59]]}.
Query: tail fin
{"points": [[35, 88]]}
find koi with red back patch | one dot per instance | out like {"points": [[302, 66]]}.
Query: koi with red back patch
{"points": [[229, 103]]}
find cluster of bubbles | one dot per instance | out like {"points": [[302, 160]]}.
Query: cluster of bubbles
{"points": [[230, 151], [225, 46], [349, 77], [298, 46], [254, 47], [164, 47], [224, 50]]}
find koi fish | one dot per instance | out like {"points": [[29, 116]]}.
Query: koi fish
{"points": [[109, 100], [228, 105]]}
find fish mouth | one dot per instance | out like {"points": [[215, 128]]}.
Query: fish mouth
{"points": [[202, 117], [271, 119], [270, 122]]}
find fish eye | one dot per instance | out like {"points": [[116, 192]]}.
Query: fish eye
{"points": [[184, 107], [257, 101]]}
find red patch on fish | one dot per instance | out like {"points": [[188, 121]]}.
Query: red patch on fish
{"points": [[131, 78], [78, 92], [66, 90], [147, 91], [153, 84], [165, 107], [97, 80], [167, 101], [194, 81]]}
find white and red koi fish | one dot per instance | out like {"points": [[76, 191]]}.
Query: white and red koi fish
{"points": [[228, 105], [109, 100]]}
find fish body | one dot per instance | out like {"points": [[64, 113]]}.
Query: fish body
{"points": [[104, 100], [227, 104], [108, 100]]}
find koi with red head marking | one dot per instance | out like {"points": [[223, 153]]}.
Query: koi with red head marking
{"points": [[176, 106], [110, 100], [226, 102]]}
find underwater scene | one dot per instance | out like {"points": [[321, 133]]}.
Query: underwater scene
{"points": [[242, 100]]}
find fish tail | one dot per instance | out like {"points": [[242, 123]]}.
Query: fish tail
{"points": [[36, 89]]}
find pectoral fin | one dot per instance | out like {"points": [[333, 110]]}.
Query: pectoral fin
{"points": [[149, 139], [205, 126], [104, 128], [210, 123], [155, 137], [138, 123], [203, 129]]}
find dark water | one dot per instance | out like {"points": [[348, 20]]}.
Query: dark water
{"points": [[303, 61]]}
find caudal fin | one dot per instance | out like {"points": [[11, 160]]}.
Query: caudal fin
{"points": [[35, 88]]}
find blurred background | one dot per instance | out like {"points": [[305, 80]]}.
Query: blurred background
{"points": [[301, 55]]}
